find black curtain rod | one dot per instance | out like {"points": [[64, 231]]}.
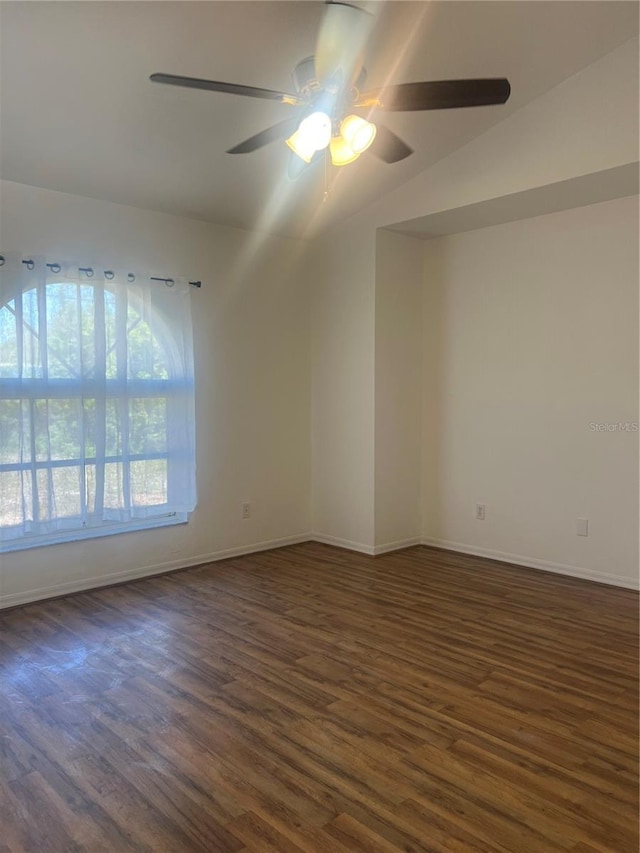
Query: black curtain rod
{"points": [[170, 282], [108, 274]]}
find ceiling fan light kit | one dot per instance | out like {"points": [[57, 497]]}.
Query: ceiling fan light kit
{"points": [[315, 133], [328, 87]]}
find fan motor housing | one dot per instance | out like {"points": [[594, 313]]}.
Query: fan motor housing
{"points": [[304, 75]]}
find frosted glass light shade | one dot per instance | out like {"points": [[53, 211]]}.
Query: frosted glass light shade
{"points": [[341, 151], [358, 133], [301, 146], [313, 134]]}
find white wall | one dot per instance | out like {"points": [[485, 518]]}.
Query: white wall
{"points": [[531, 335], [251, 339], [398, 389], [342, 379]]}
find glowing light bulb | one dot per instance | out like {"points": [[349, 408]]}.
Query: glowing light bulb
{"points": [[358, 133], [341, 151], [313, 134]]}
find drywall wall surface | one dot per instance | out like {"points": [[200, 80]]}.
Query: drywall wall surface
{"points": [[398, 391], [530, 390], [251, 342], [342, 370]]}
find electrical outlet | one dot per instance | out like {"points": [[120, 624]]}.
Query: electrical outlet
{"points": [[582, 526], [480, 512], [246, 510]]}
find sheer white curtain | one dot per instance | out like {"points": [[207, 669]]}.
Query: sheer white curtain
{"points": [[96, 400]]}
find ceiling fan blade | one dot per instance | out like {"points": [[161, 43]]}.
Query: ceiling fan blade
{"points": [[229, 88], [389, 147], [438, 95], [272, 134], [340, 45]]}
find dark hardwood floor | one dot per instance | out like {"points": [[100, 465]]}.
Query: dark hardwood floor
{"points": [[314, 699]]}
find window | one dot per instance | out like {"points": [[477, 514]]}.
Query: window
{"points": [[96, 402]]}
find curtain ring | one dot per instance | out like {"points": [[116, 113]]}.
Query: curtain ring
{"points": [[169, 282], [109, 274], [55, 268], [1, 260], [131, 277]]}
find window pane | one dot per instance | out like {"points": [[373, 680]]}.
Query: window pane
{"points": [[113, 485], [66, 491], [8, 342], [87, 330], [139, 348], [44, 483], [149, 482], [113, 427], [147, 425], [63, 331], [58, 492], [58, 429], [14, 488], [31, 363], [89, 427], [146, 359], [111, 367], [15, 436], [90, 488]]}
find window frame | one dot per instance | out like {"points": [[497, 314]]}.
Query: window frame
{"points": [[94, 524]]}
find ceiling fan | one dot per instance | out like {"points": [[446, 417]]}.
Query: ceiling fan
{"points": [[329, 93]]}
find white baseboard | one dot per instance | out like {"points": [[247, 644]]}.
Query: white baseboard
{"points": [[84, 584], [349, 544], [397, 546], [372, 550], [533, 563]]}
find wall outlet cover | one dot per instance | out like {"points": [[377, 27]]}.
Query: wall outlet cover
{"points": [[582, 526]]}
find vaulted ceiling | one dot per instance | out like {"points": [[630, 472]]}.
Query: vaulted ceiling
{"points": [[78, 113]]}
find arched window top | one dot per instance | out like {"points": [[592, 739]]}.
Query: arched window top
{"points": [[51, 331]]}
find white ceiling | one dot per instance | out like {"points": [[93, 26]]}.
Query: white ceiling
{"points": [[78, 113]]}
